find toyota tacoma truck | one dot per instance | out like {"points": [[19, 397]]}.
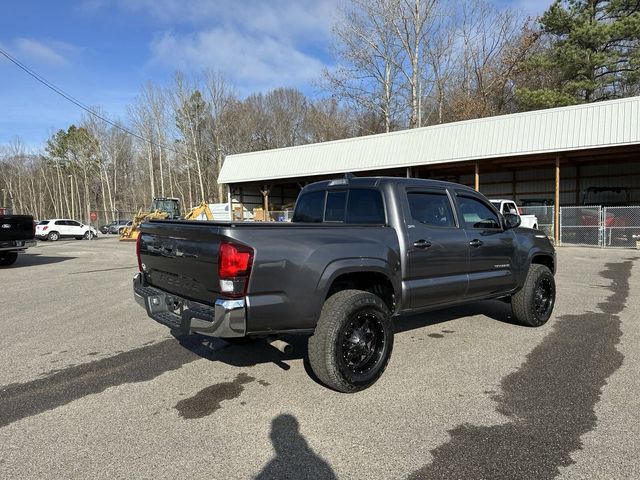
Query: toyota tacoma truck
{"points": [[358, 253], [17, 233]]}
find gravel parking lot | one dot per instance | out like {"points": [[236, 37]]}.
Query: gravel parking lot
{"points": [[91, 387]]}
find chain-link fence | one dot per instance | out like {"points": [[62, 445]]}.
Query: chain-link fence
{"points": [[544, 215], [599, 226], [581, 226], [621, 226]]}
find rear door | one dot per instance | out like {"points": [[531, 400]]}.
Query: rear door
{"points": [[492, 249], [437, 249]]}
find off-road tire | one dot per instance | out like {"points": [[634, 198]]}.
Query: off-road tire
{"points": [[53, 236], [8, 258], [528, 305], [327, 351]]}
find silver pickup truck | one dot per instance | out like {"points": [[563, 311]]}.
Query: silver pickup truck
{"points": [[358, 252]]}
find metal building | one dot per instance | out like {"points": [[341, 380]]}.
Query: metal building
{"points": [[552, 155]]}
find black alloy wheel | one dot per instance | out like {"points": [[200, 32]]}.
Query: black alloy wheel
{"points": [[362, 343]]}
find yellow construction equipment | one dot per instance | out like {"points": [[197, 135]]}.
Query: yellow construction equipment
{"points": [[202, 209], [161, 208]]}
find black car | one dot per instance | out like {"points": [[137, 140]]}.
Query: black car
{"points": [[114, 227]]}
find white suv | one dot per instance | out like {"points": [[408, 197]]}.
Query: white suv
{"points": [[59, 228]]}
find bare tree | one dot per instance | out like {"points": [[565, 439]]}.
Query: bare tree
{"points": [[369, 57]]}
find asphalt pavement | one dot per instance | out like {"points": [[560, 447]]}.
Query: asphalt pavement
{"points": [[91, 387]]}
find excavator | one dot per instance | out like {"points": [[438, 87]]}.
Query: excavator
{"points": [[196, 212], [161, 208]]}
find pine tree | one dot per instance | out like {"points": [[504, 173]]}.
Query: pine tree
{"points": [[592, 54]]}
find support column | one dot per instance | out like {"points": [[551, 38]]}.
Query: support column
{"points": [[230, 202], [477, 177], [409, 172], [556, 205], [577, 184], [265, 201]]}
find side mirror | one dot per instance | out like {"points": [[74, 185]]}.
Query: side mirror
{"points": [[511, 220]]}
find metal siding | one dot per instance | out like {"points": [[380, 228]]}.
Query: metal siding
{"points": [[595, 125]]}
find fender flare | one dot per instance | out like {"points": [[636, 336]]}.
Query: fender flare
{"points": [[357, 265]]}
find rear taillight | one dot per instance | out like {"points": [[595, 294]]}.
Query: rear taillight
{"points": [[138, 253], [520, 211], [44, 229], [234, 268]]}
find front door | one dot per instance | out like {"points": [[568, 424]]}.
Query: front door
{"points": [[437, 249], [75, 228], [492, 249]]}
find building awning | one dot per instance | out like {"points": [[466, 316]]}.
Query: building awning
{"points": [[604, 124]]}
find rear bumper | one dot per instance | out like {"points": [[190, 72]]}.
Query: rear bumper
{"points": [[226, 319], [15, 245]]}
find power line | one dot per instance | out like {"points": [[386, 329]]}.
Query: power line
{"points": [[77, 102]]}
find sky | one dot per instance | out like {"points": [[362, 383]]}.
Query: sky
{"points": [[103, 51]]}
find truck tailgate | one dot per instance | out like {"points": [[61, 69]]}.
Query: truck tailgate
{"points": [[16, 227], [181, 257]]}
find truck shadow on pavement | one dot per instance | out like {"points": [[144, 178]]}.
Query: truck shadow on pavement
{"points": [[294, 458], [493, 309], [33, 259], [260, 352]]}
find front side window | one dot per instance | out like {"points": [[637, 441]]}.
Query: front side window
{"points": [[309, 207], [477, 214], [432, 209]]}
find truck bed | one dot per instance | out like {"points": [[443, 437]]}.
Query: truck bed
{"points": [[181, 257]]}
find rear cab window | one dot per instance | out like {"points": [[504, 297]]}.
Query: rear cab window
{"points": [[363, 206]]}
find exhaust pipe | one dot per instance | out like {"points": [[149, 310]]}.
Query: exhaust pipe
{"points": [[280, 345]]}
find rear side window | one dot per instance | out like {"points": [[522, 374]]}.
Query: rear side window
{"points": [[431, 208], [309, 207], [476, 214], [365, 207], [60, 222], [44, 222]]}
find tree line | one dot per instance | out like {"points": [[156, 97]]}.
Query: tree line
{"points": [[398, 64]]}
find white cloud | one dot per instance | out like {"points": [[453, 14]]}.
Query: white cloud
{"points": [[252, 62], [51, 52], [259, 45]]}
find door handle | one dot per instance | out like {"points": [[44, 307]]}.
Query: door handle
{"points": [[422, 244], [475, 243]]}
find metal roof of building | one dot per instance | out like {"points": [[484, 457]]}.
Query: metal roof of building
{"points": [[595, 125]]}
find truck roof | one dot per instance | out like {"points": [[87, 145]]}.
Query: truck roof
{"points": [[353, 181]]}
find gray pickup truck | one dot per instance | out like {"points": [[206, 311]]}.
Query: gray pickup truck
{"points": [[358, 252], [17, 233]]}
